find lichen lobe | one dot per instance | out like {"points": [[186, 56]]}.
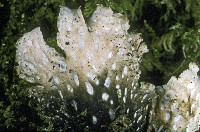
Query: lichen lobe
{"points": [[100, 57]]}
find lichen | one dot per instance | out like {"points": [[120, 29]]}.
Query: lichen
{"points": [[100, 56], [155, 19], [179, 108], [95, 86]]}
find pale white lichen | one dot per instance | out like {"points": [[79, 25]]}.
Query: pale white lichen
{"points": [[181, 102], [100, 56], [100, 75], [104, 45]]}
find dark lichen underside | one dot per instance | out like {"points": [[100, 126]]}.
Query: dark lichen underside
{"points": [[75, 112]]}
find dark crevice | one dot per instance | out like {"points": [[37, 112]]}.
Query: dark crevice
{"points": [[4, 17]]}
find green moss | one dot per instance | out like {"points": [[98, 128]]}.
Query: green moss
{"points": [[83, 113]]}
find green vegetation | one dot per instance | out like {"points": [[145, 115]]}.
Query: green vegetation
{"points": [[170, 28]]}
